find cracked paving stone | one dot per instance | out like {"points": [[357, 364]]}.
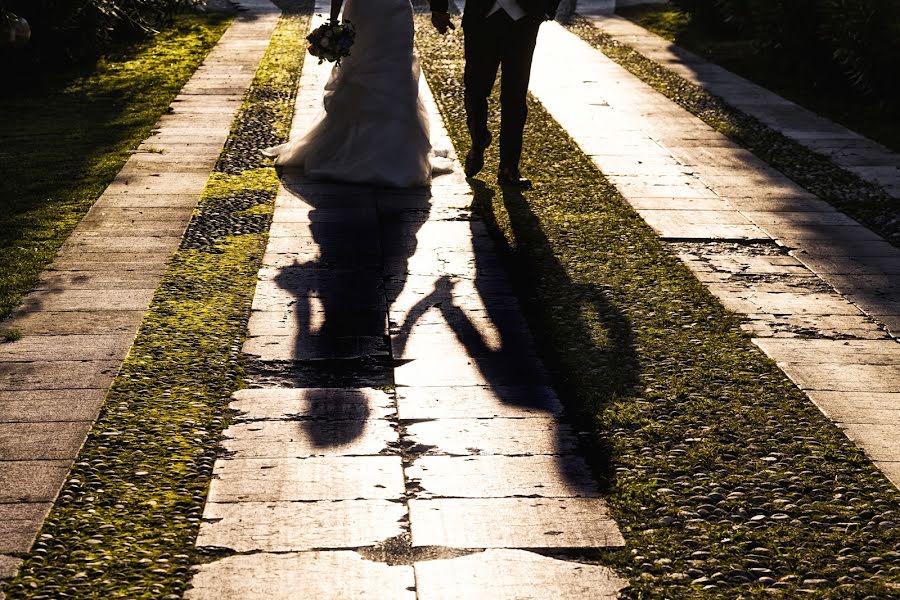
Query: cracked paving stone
{"points": [[514, 575], [513, 523], [275, 439], [502, 476], [306, 479], [337, 404], [31, 480], [341, 575], [416, 403], [298, 526], [19, 524], [494, 436]]}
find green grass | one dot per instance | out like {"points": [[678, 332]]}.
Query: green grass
{"points": [[834, 100], [66, 136], [127, 517], [695, 431], [11, 335]]}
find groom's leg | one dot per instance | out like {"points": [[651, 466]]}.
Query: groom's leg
{"points": [[516, 72], [482, 61]]}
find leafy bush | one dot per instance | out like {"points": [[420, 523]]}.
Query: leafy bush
{"points": [[857, 41], [64, 30]]}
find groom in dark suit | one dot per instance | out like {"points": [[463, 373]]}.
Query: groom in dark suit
{"points": [[498, 33]]}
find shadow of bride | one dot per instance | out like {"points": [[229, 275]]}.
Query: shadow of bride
{"points": [[330, 252]]}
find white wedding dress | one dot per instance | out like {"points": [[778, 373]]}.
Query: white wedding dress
{"points": [[374, 128]]}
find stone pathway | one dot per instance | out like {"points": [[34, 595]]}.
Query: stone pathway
{"points": [[819, 291], [334, 483], [80, 321], [848, 149]]}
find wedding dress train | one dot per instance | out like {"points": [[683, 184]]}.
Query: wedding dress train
{"points": [[374, 128]]}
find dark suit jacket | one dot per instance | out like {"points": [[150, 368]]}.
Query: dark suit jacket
{"points": [[479, 8]]}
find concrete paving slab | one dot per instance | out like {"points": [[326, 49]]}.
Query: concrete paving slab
{"points": [[859, 407], [312, 403], [87, 242], [283, 347], [304, 319], [100, 322], [844, 377], [274, 439], [19, 524], [769, 205], [799, 234], [819, 247], [514, 575], [415, 403], [57, 280], [47, 406], [88, 300], [112, 262], [340, 575], [494, 435], [863, 352], [31, 480], [42, 441], [470, 371], [781, 303], [681, 204], [513, 523], [123, 200], [502, 477], [423, 342], [758, 265], [829, 326], [57, 375], [891, 469], [306, 479], [66, 347], [300, 526], [9, 565], [878, 441], [672, 231]]}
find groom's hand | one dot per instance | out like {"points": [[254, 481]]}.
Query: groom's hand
{"points": [[442, 22]]}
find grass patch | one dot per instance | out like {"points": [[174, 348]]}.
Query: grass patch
{"points": [[11, 335], [866, 202], [725, 479], [126, 520], [867, 115], [66, 136]]}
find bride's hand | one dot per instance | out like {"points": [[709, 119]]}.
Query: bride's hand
{"points": [[442, 22]]}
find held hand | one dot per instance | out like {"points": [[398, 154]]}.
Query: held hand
{"points": [[442, 22]]}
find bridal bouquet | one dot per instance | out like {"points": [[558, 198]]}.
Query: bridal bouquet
{"points": [[332, 41]]}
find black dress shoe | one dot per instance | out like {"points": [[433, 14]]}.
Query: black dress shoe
{"points": [[474, 161], [512, 178]]}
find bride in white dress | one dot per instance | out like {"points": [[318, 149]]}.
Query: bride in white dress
{"points": [[374, 128]]}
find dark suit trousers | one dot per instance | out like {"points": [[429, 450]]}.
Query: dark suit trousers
{"points": [[491, 43]]}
